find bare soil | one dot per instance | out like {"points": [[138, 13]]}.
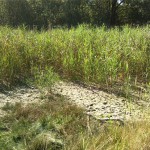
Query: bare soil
{"points": [[95, 102]]}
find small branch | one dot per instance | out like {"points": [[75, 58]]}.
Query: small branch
{"points": [[104, 120], [120, 3], [88, 125]]}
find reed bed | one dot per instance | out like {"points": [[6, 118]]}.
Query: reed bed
{"points": [[98, 55]]}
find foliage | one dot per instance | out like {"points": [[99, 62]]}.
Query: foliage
{"points": [[51, 13], [98, 55]]}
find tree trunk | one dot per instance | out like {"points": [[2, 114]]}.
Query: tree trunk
{"points": [[113, 12]]}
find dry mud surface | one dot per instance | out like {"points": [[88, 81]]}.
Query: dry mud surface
{"points": [[97, 103], [22, 95], [101, 104]]}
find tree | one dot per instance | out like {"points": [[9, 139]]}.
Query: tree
{"points": [[3, 13], [42, 13], [99, 12], [138, 11], [106, 11], [114, 5], [76, 12], [17, 12]]}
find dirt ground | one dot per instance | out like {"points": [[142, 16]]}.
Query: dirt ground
{"points": [[96, 102]]}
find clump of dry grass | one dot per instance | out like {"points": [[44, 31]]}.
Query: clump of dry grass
{"points": [[133, 136]]}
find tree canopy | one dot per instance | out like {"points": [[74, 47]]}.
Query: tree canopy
{"points": [[46, 13]]}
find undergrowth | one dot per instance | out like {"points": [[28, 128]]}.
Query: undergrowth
{"points": [[57, 125]]}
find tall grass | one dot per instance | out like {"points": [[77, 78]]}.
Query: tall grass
{"points": [[86, 54]]}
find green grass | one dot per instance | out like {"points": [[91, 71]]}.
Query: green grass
{"points": [[82, 54], [91, 55], [57, 125]]}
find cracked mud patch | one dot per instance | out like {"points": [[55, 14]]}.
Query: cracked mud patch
{"points": [[19, 95], [101, 104]]}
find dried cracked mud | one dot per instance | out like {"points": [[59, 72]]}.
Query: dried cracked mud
{"points": [[22, 95], [101, 104], [97, 103]]}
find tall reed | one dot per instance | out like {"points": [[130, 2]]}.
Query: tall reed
{"points": [[86, 54]]}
